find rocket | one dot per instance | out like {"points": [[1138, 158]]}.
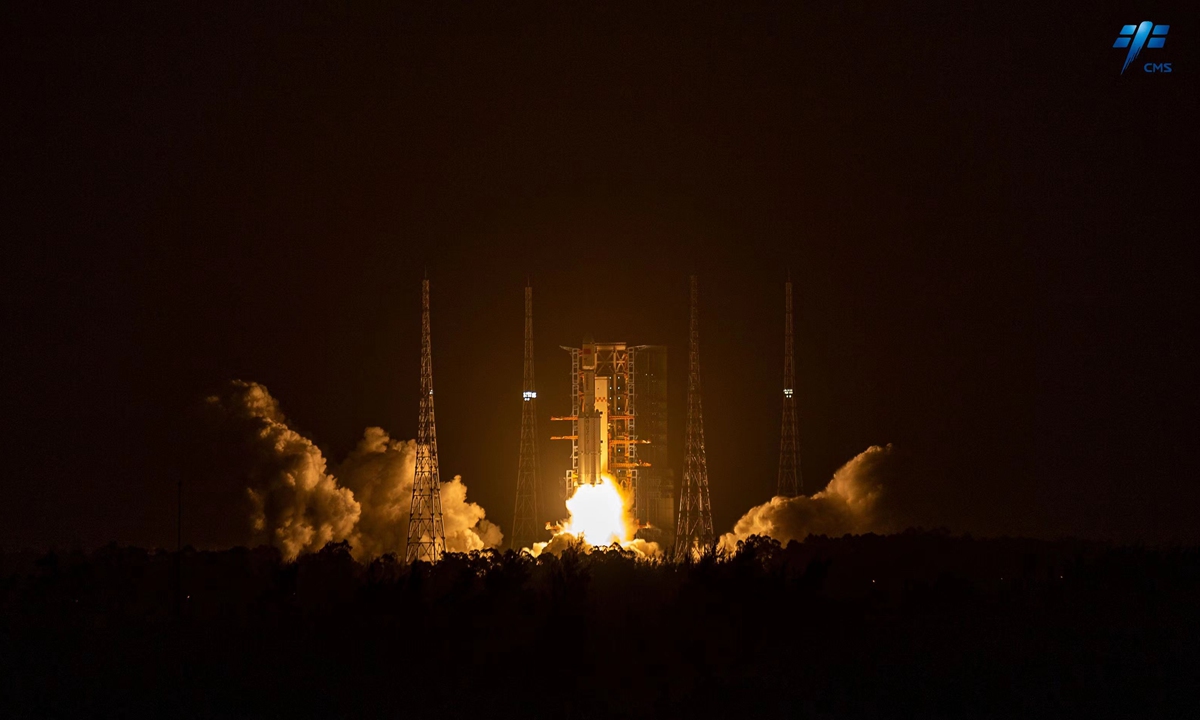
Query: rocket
{"points": [[593, 420]]}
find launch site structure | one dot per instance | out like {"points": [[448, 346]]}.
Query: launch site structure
{"points": [[525, 531], [791, 479], [619, 426], [694, 530], [426, 532]]}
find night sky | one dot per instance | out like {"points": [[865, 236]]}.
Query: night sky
{"points": [[991, 230]]}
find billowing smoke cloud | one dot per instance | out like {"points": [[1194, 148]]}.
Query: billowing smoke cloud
{"points": [[380, 472], [865, 495], [298, 506], [561, 541]]}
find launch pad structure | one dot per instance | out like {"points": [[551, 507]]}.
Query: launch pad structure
{"points": [[524, 527], [619, 426], [791, 479], [694, 530], [426, 529]]}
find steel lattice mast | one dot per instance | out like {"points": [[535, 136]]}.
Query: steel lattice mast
{"points": [[426, 534], [525, 513], [695, 514], [791, 480]]}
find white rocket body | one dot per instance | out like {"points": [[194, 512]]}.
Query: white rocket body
{"points": [[593, 421]]}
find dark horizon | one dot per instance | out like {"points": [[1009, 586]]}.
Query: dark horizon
{"points": [[990, 230]]}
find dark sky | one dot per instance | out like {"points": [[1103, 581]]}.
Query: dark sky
{"points": [[991, 230]]}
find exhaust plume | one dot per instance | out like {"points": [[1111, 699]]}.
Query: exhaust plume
{"points": [[600, 515], [862, 497], [298, 506], [380, 471]]}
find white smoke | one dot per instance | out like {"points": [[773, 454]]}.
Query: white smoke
{"points": [[299, 507], [380, 472], [561, 541], [860, 498]]}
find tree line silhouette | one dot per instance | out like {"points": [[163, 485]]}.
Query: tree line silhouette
{"points": [[919, 624]]}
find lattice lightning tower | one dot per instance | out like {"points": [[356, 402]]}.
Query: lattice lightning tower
{"points": [[525, 514], [695, 514], [426, 534], [791, 480]]}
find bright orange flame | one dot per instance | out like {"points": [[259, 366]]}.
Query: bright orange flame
{"points": [[599, 516]]}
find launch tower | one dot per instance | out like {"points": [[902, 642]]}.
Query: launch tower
{"points": [[791, 481], [525, 514], [426, 533], [695, 514], [619, 425]]}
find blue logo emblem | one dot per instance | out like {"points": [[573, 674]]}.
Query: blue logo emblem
{"points": [[1134, 38]]}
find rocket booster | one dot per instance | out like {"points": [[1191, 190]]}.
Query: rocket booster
{"points": [[593, 420]]}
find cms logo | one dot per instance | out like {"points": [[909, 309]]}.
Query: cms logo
{"points": [[1145, 34]]}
